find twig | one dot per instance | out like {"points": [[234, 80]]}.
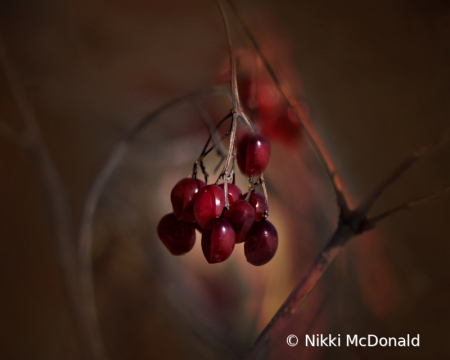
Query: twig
{"points": [[236, 107], [419, 201], [212, 131], [86, 327], [403, 167], [341, 193], [205, 152], [266, 197], [12, 135], [301, 291], [85, 240]]}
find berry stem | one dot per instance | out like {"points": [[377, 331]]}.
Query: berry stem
{"points": [[419, 201], [84, 317], [402, 168], [342, 195], [266, 197], [114, 156]]}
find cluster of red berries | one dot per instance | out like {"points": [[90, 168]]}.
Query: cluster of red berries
{"points": [[197, 205]]}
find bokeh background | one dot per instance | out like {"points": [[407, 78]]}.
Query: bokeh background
{"points": [[375, 76]]}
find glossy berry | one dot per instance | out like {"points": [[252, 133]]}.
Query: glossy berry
{"points": [[177, 236], [258, 202], [261, 244], [208, 204], [253, 152], [218, 240], [234, 193], [182, 197], [241, 216]]}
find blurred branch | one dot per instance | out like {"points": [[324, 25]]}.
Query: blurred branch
{"points": [[117, 152], [87, 332], [419, 201], [13, 135], [342, 195], [351, 221], [403, 167]]}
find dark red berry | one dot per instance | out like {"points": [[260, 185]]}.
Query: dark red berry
{"points": [[261, 244], [282, 127], [241, 216], [218, 240], [177, 236], [253, 152], [234, 193], [182, 197], [208, 204], [258, 202]]}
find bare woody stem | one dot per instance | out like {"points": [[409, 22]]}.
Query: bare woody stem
{"points": [[205, 152], [115, 155], [235, 103], [417, 202], [266, 196], [301, 291], [341, 193], [86, 327]]}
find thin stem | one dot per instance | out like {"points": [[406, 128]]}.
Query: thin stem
{"points": [[341, 193], [199, 160], [301, 291], [402, 168], [115, 155], [235, 103], [12, 135], [266, 197], [86, 326], [212, 131], [419, 201]]}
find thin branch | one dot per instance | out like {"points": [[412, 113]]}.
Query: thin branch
{"points": [[417, 202], [402, 168], [117, 152], [301, 291], [12, 135], [235, 103], [204, 152], [86, 327], [211, 129], [266, 196], [341, 193]]}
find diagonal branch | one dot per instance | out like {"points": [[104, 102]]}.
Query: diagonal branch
{"points": [[402, 168], [116, 154], [342, 195], [12, 135], [301, 291], [56, 196], [417, 202]]}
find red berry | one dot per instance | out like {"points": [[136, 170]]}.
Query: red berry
{"points": [[234, 193], [261, 244], [241, 216], [177, 236], [208, 204], [182, 197], [253, 152], [218, 240], [258, 202], [283, 127]]}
